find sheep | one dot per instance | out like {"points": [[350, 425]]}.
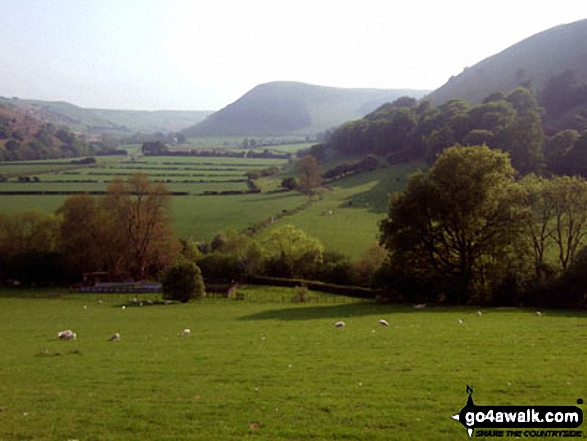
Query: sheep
{"points": [[186, 332], [67, 335], [123, 307], [460, 322], [479, 313], [420, 306], [383, 322], [538, 313], [114, 337], [339, 324]]}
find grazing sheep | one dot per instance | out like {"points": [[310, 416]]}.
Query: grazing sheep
{"points": [[67, 335], [85, 307], [186, 332], [538, 313], [339, 324], [383, 322], [420, 306], [123, 307], [479, 313], [114, 337], [460, 322]]}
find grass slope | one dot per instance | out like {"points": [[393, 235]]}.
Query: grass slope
{"points": [[357, 203], [270, 370], [531, 62], [284, 107]]}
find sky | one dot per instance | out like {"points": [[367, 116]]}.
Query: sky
{"points": [[205, 54]]}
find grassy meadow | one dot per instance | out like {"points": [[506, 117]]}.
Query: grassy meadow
{"points": [[269, 369], [357, 202]]}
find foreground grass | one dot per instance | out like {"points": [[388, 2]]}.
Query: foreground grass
{"points": [[270, 369]]}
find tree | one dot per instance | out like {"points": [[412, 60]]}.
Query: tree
{"points": [[567, 198], [451, 231], [289, 183], [139, 219], [556, 149], [154, 148], [539, 220], [309, 179], [291, 252], [523, 140], [183, 281], [83, 236]]}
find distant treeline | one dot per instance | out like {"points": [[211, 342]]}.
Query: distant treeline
{"points": [[158, 148], [48, 142], [544, 133]]}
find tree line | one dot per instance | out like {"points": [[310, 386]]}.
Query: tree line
{"points": [[48, 142], [128, 233], [544, 134], [467, 231]]}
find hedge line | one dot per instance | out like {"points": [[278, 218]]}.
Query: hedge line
{"points": [[70, 192], [351, 291]]}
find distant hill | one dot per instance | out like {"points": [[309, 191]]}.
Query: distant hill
{"points": [[25, 137], [290, 108], [529, 63], [105, 121]]}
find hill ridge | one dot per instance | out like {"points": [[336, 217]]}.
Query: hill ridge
{"points": [[530, 62]]}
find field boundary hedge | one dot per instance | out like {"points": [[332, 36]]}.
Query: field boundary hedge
{"points": [[314, 285]]}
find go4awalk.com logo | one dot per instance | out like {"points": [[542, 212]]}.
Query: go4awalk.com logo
{"points": [[520, 421]]}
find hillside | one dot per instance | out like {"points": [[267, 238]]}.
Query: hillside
{"points": [[529, 63], [101, 121], [25, 137], [285, 108]]}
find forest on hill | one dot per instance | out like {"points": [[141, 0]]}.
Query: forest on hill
{"points": [[25, 138], [544, 133]]}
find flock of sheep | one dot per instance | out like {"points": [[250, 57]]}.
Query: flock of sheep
{"points": [[70, 335]]}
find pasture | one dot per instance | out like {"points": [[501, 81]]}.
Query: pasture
{"points": [[269, 369], [357, 202]]}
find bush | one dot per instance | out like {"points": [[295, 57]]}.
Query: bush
{"points": [[183, 281]]}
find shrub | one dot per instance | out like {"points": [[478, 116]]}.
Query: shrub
{"points": [[183, 281]]}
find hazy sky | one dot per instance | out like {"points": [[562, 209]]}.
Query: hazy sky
{"points": [[204, 54]]}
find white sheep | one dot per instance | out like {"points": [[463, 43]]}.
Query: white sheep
{"points": [[339, 324], [186, 332], [114, 337], [479, 313], [420, 306], [383, 322], [67, 335], [538, 313]]}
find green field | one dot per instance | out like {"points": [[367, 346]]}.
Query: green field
{"points": [[357, 203], [269, 369]]}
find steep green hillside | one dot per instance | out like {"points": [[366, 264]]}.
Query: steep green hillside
{"points": [[529, 63], [281, 108], [100, 121]]}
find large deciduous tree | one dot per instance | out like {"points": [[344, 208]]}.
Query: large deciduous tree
{"points": [[309, 178], [291, 252], [454, 228], [128, 232]]}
